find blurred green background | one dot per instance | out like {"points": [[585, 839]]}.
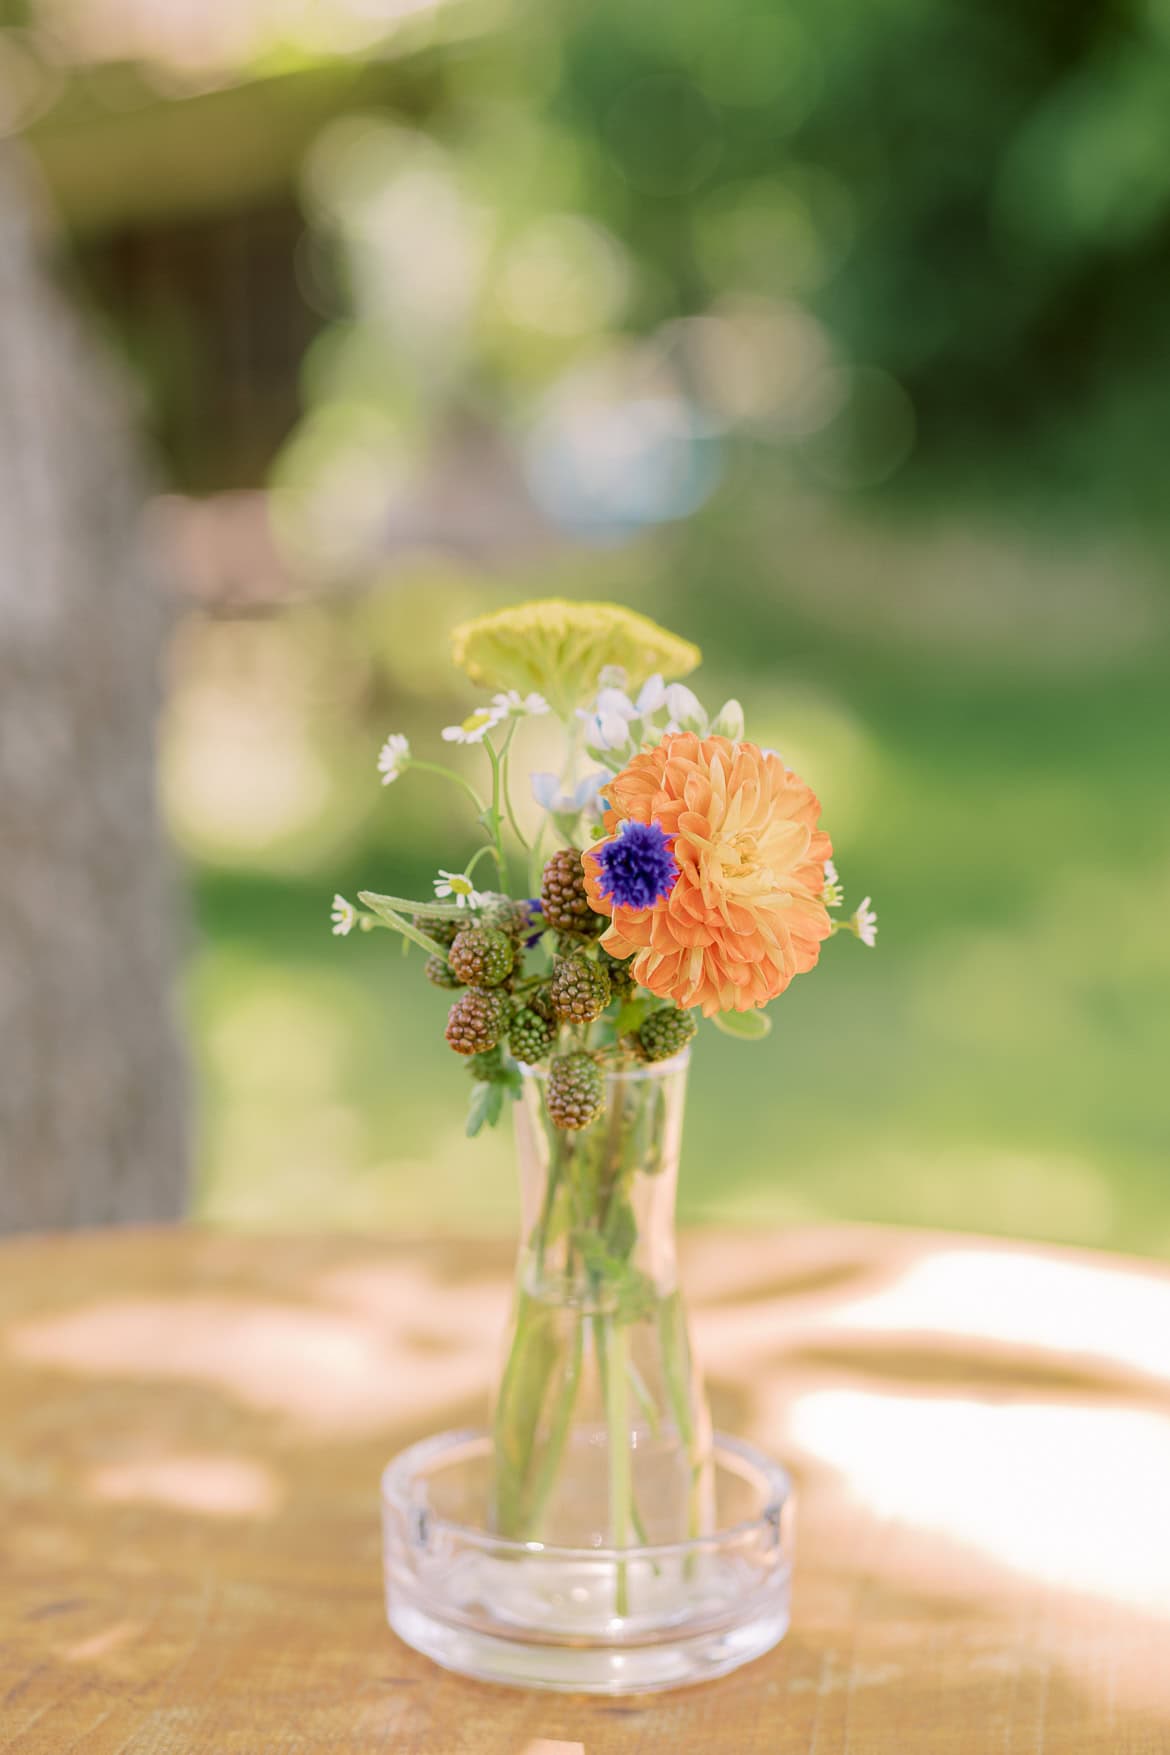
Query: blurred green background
{"points": [[834, 337]]}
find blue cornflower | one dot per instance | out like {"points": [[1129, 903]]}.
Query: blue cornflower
{"points": [[638, 867], [532, 903]]}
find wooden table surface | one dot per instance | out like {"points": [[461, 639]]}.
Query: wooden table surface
{"points": [[192, 1428]]}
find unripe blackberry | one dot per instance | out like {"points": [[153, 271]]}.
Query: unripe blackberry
{"points": [[440, 973], [621, 975], [667, 1032], [477, 1020], [540, 999], [580, 990], [530, 1036], [442, 931], [512, 915], [563, 901], [482, 956], [576, 1090]]}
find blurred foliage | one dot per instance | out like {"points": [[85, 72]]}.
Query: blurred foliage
{"points": [[833, 337]]}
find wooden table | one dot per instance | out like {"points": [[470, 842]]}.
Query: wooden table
{"points": [[193, 1427]]}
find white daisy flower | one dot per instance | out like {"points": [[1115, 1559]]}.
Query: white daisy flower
{"points": [[344, 916], [513, 705], [393, 757], [474, 728], [456, 885], [864, 924]]}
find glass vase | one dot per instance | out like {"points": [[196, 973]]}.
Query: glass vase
{"points": [[601, 1434], [596, 1539]]}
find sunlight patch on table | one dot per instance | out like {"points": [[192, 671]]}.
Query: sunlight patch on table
{"points": [[213, 1486], [1068, 1495], [1068, 1307]]}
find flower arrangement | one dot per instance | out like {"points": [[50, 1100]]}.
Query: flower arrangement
{"points": [[678, 869]]}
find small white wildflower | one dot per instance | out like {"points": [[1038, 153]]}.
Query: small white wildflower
{"points": [[474, 728], [607, 727], [513, 705], [546, 790], [393, 757], [685, 709], [457, 885], [344, 916], [864, 924], [831, 873], [832, 895], [728, 722], [651, 697]]}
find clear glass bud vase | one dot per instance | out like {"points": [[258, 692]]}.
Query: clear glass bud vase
{"points": [[601, 1435]]}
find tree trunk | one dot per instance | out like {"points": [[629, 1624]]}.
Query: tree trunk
{"points": [[92, 1088]]}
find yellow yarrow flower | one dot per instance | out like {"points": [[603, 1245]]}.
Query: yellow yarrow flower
{"points": [[560, 648]]}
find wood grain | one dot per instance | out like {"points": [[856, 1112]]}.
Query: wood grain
{"points": [[192, 1428]]}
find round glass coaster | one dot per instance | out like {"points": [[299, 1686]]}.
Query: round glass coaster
{"points": [[537, 1616]]}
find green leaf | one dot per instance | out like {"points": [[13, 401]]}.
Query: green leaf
{"points": [[430, 910], [633, 1015], [479, 1110], [387, 915], [748, 1026]]}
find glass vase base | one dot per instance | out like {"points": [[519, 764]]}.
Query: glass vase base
{"points": [[583, 1620]]}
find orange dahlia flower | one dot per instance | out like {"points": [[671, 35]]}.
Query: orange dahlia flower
{"points": [[745, 914]]}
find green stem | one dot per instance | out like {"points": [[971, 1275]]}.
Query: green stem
{"points": [[645, 1399], [676, 1364], [487, 851], [451, 774], [493, 818], [504, 787], [617, 1421], [555, 1444]]}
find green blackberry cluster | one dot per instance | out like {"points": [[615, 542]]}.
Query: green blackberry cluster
{"points": [[442, 931], [530, 1036], [621, 976], [511, 915], [666, 1032], [579, 989], [563, 901], [440, 973], [481, 956], [576, 1090]]}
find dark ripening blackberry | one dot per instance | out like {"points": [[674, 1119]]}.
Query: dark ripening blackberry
{"points": [[580, 990], [575, 1093], [477, 1020], [665, 1033], [530, 1036], [563, 901], [442, 931], [482, 956], [440, 973]]}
